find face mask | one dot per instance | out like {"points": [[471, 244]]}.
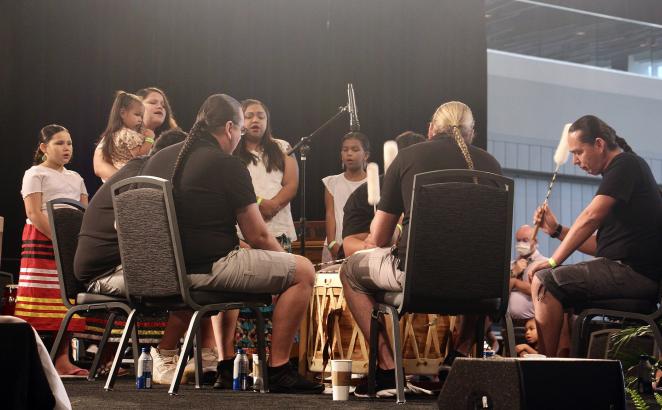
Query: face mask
{"points": [[523, 248]]}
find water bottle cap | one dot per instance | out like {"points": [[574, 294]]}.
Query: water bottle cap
{"points": [[240, 351], [145, 349]]}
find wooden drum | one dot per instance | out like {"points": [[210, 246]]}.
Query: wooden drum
{"points": [[424, 336]]}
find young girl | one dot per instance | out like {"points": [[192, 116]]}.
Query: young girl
{"points": [[337, 188], [125, 136], [531, 336], [38, 300]]}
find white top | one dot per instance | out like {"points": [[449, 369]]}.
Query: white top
{"points": [[52, 184], [267, 185], [340, 188]]}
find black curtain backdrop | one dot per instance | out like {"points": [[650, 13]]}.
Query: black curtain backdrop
{"points": [[63, 60]]}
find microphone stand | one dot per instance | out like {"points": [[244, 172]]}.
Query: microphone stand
{"points": [[303, 146]]}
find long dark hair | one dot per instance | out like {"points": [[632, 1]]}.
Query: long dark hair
{"points": [[214, 113], [274, 158], [592, 127], [123, 100], [169, 122], [45, 136]]}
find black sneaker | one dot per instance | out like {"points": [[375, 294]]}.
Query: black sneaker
{"points": [[224, 374], [385, 384], [284, 379], [445, 368]]}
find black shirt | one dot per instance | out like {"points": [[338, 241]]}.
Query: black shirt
{"points": [[98, 251], [210, 188], [357, 212], [632, 231], [441, 152]]}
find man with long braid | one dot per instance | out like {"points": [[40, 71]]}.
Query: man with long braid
{"points": [[626, 212], [213, 192], [367, 272]]}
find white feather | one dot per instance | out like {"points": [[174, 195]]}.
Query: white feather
{"points": [[562, 151], [373, 183], [390, 152]]}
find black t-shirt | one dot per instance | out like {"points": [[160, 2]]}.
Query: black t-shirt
{"points": [[357, 212], [211, 187], [98, 252], [632, 231], [441, 152]]}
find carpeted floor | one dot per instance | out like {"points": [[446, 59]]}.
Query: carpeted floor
{"points": [[91, 395]]}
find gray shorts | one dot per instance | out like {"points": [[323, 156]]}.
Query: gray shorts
{"points": [[597, 279], [111, 284], [248, 271], [373, 270]]}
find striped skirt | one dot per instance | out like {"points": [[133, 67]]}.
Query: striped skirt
{"points": [[38, 300]]}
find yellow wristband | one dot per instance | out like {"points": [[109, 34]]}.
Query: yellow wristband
{"points": [[552, 262], [259, 201], [399, 228], [330, 245], [150, 140]]}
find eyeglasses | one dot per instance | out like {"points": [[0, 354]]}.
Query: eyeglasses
{"points": [[242, 130]]}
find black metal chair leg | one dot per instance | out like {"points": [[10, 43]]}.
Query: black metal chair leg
{"points": [[480, 336], [185, 352], [374, 346], [102, 345], [262, 348], [510, 334], [129, 328], [197, 357], [60, 333], [397, 355]]}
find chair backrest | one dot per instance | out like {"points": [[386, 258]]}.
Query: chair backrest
{"points": [[65, 217], [458, 249], [149, 242]]}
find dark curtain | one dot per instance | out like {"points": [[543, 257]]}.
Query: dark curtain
{"points": [[63, 60]]}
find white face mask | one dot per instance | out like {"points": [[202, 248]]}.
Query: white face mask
{"points": [[523, 248]]}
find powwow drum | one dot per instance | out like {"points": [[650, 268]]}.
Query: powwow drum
{"points": [[424, 336], [9, 300]]}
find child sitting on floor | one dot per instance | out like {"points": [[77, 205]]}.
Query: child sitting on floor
{"points": [[531, 336]]}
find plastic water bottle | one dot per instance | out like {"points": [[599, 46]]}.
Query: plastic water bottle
{"points": [[488, 353], [144, 372], [240, 371]]}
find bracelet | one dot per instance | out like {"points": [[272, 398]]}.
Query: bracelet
{"points": [[331, 245], [259, 200], [150, 140], [552, 263], [399, 228], [557, 231]]}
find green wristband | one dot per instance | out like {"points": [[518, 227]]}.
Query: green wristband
{"points": [[150, 140], [259, 201], [331, 245], [552, 262]]}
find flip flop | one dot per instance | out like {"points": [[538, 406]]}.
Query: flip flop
{"points": [[76, 373]]}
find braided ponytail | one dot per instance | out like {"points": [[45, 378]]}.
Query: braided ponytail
{"points": [[214, 113], [592, 127], [623, 144], [196, 132]]}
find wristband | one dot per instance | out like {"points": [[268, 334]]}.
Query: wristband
{"points": [[150, 140], [552, 263], [259, 200], [557, 231], [399, 228], [331, 245]]}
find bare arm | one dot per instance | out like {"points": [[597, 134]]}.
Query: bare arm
{"points": [[583, 228], [550, 223], [102, 168], [330, 221], [521, 285], [83, 199], [270, 207], [255, 229], [33, 211], [382, 227], [353, 243]]}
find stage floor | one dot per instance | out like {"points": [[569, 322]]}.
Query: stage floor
{"points": [[88, 395]]}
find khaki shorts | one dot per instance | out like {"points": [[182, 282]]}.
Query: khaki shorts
{"points": [[248, 271], [373, 270], [111, 284]]}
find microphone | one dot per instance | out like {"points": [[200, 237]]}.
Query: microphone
{"points": [[351, 107]]}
